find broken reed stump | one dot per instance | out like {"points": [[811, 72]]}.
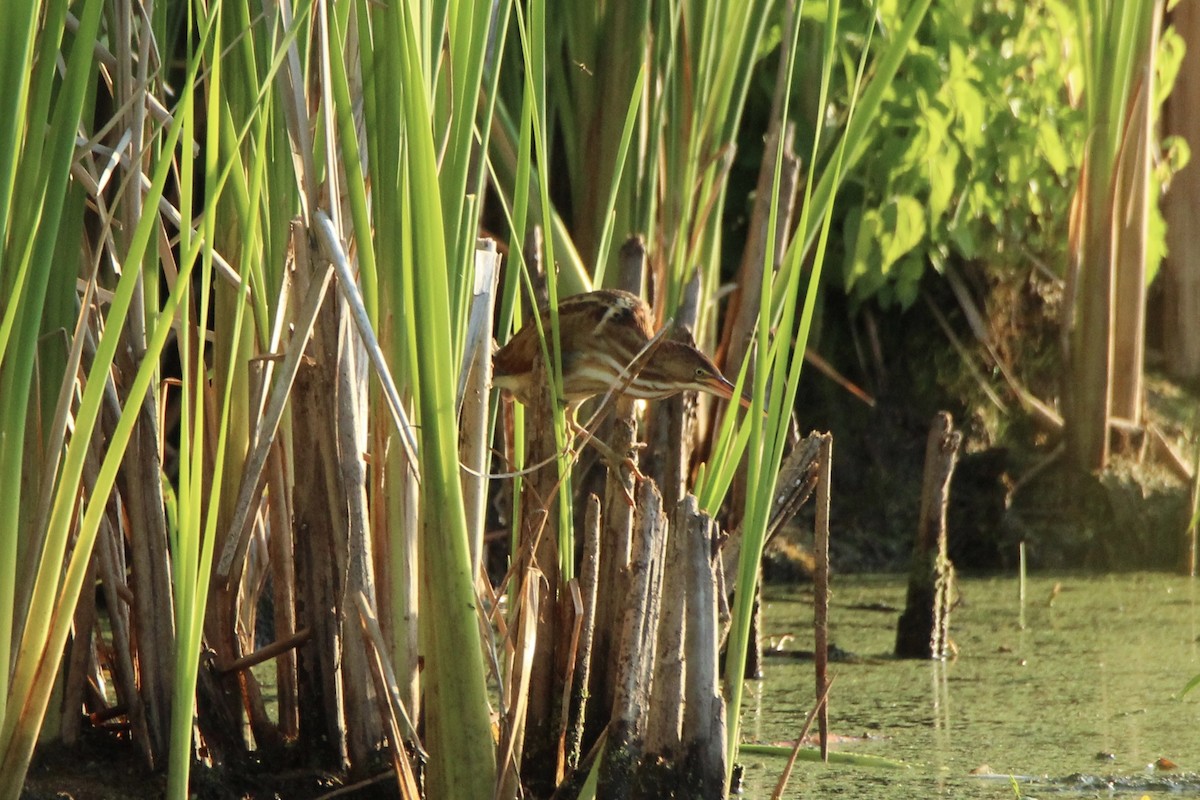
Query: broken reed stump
{"points": [[666, 734], [797, 481], [636, 652], [338, 719], [538, 561], [589, 570], [663, 733], [620, 431], [615, 554], [922, 629], [821, 589], [703, 733]]}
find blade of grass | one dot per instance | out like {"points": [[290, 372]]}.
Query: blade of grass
{"points": [[463, 760], [33, 241]]}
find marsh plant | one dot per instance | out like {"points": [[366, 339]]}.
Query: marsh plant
{"points": [[243, 290]]}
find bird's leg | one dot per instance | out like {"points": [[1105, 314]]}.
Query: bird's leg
{"points": [[612, 459]]}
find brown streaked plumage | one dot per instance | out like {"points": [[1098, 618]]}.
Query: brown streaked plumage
{"points": [[601, 334]]}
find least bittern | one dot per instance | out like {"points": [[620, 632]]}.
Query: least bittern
{"points": [[606, 342], [602, 334]]}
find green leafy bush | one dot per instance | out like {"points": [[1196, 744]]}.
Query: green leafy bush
{"points": [[977, 150]]}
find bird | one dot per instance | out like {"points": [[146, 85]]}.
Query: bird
{"points": [[608, 344], [606, 339]]}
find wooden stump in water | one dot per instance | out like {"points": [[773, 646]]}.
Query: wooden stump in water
{"points": [[922, 631]]}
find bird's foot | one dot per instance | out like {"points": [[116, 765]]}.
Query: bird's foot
{"points": [[636, 474], [630, 464], [620, 465]]}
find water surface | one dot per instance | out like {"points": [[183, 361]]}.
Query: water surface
{"points": [[1088, 690]]}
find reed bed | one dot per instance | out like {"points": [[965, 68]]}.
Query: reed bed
{"points": [[253, 259]]}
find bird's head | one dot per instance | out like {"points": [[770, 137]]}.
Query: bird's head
{"points": [[680, 367]]}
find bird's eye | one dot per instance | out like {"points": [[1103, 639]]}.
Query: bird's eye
{"points": [[699, 372]]}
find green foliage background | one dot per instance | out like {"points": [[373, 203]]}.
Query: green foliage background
{"points": [[980, 147]]}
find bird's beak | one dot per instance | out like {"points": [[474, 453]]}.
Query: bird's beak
{"points": [[721, 387]]}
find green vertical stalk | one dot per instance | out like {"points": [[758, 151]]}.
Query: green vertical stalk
{"points": [[783, 358], [30, 251], [19, 21], [53, 601], [463, 761], [1114, 39]]}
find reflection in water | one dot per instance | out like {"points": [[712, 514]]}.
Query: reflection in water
{"points": [[940, 694], [1088, 689]]}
